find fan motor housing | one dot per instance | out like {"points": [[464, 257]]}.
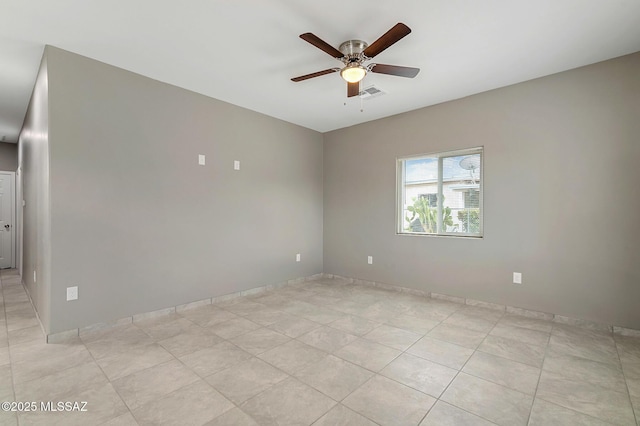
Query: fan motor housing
{"points": [[353, 47]]}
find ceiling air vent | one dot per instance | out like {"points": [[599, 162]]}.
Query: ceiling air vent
{"points": [[371, 92]]}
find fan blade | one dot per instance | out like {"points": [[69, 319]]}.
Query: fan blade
{"points": [[389, 38], [315, 74], [395, 70], [353, 89], [321, 44]]}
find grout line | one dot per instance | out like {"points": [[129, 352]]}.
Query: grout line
{"points": [[624, 376]]}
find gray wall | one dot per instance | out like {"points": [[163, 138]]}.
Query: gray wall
{"points": [[8, 156], [36, 220], [561, 198], [138, 225]]}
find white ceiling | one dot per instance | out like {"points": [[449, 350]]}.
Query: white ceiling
{"points": [[245, 51]]}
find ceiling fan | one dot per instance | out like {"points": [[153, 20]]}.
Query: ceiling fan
{"points": [[354, 53]]}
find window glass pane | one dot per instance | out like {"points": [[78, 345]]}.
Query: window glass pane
{"points": [[461, 193], [421, 192], [448, 182]]}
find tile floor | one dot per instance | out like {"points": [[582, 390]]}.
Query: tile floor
{"points": [[322, 353]]}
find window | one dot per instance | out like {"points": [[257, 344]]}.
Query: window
{"points": [[441, 194]]}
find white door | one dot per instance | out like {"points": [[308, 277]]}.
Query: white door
{"points": [[7, 231]]}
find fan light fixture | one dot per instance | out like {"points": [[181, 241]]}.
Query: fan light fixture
{"points": [[353, 72]]}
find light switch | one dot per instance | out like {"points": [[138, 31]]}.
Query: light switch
{"points": [[236, 165], [370, 260], [201, 160]]}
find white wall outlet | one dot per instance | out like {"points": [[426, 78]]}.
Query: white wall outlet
{"points": [[201, 160], [298, 257], [517, 278], [72, 293], [236, 165], [370, 260], [35, 277]]}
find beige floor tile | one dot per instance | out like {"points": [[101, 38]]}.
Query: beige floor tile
{"points": [[194, 404], [354, 325], [260, 340], [342, 416], [334, 377], [190, 341], [152, 383], [290, 402], [8, 418], [25, 335], [584, 348], [524, 335], [125, 419], [488, 400], [292, 356], [525, 322], [586, 398], [15, 323], [417, 325], [511, 374], [242, 306], [393, 337], [293, 326], [389, 403], [207, 315], [327, 339], [62, 384], [4, 355], [160, 330], [233, 417], [434, 310], [49, 362], [267, 316], [443, 414], [420, 374], [545, 413], [370, 355], [379, 313], [135, 359], [216, 358], [103, 404], [514, 350], [471, 322], [457, 335], [234, 327], [445, 353], [6, 383], [115, 341], [246, 379], [606, 375], [322, 315]]}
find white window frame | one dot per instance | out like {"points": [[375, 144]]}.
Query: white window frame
{"points": [[400, 192]]}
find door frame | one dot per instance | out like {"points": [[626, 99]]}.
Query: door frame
{"points": [[12, 176]]}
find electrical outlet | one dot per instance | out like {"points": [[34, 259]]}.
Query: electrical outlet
{"points": [[517, 278], [370, 260], [72, 293], [201, 160], [298, 257], [236, 165]]}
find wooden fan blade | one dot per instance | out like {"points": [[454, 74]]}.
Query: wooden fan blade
{"points": [[353, 89], [395, 70], [321, 44], [315, 74], [389, 38]]}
